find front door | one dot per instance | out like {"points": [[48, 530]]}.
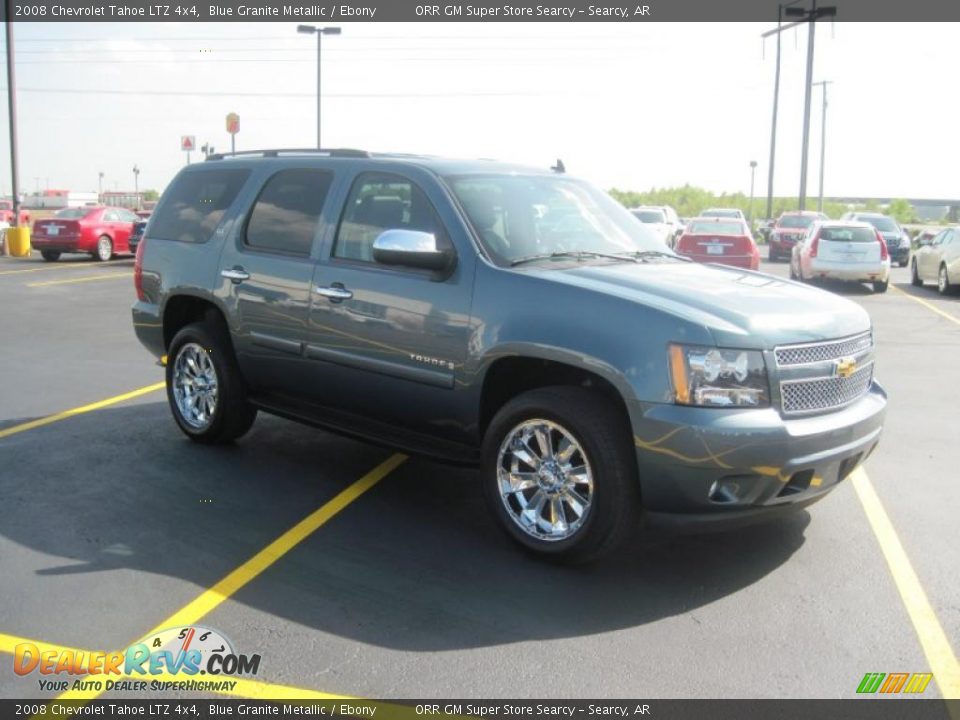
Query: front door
{"points": [[391, 341]]}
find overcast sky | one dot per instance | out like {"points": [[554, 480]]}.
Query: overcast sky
{"points": [[629, 105]]}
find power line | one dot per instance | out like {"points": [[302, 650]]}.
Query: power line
{"points": [[244, 93]]}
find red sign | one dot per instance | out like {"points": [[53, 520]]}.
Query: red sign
{"points": [[233, 123], [188, 143]]}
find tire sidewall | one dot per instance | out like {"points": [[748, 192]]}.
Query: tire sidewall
{"points": [[96, 252], [605, 486]]}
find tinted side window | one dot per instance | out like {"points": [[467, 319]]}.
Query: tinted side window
{"points": [[285, 216], [111, 216], [193, 207], [381, 202]]}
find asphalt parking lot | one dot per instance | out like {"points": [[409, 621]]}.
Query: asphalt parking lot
{"points": [[354, 571]]}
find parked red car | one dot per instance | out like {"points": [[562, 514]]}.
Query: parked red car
{"points": [[101, 231], [6, 213], [726, 241], [789, 230]]}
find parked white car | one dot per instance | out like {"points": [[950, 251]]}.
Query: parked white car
{"points": [[838, 250], [724, 213], [659, 219], [938, 259]]}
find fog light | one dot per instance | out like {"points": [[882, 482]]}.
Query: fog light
{"points": [[724, 490]]}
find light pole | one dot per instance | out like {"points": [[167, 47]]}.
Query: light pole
{"points": [[99, 185], [136, 184], [753, 170], [319, 32], [823, 139], [810, 17]]}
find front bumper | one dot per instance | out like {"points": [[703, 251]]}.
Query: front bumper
{"points": [[712, 466]]}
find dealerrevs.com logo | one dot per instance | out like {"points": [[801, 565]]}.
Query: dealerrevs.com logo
{"points": [[171, 660]]}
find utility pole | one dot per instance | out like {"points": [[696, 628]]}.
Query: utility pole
{"points": [[319, 32], [136, 184], [810, 17], [753, 171], [12, 104], [99, 185], [823, 139]]}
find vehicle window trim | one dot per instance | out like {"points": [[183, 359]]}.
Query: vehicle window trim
{"points": [[333, 259], [245, 247]]}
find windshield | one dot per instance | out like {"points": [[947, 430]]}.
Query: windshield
{"points": [[716, 228], [517, 216], [883, 223], [649, 216], [796, 221], [72, 213]]}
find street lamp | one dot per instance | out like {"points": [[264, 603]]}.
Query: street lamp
{"points": [[809, 16], [753, 170], [319, 32], [136, 184]]}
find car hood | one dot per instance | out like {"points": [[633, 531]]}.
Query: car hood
{"points": [[740, 308]]}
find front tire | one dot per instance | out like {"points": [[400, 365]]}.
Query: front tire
{"points": [[205, 389], [50, 255], [943, 281], [558, 472], [104, 249], [915, 275]]}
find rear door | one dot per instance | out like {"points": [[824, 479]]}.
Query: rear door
{"points": [[265, 275], [849, 245]]}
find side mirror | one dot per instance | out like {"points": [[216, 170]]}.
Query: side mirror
{"points": [[411, 248]]}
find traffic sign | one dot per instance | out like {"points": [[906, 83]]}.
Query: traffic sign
{"points": [[233, 123], [188, 143]]}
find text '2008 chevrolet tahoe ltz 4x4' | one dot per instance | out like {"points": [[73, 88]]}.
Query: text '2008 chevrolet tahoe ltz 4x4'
{"points": [[508, 317]]}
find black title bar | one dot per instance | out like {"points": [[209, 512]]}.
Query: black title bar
{"points": [[463, 11]]}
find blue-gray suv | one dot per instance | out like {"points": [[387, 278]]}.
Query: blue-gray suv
{"points": [[511, 318]]}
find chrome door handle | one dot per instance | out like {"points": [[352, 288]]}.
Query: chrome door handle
{"points": [[236, 274], [334, 293]]}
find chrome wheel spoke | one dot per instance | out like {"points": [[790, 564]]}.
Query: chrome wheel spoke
{"points": [[545, 480], [195, 386]]}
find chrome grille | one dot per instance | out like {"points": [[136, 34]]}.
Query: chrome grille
{"points": [[825, 393], [823, 352]]}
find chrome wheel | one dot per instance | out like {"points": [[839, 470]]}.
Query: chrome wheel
{"points": [[104, 248], [545, 480], [195, 386]]}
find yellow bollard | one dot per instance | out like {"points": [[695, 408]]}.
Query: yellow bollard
{"points": [[18, 241]]}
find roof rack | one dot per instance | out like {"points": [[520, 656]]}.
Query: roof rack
{"points": [[327, 152]]}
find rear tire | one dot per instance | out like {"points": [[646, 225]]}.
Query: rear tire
{"points": [[589, 463], [200, 357], [881, 286], [915, 275], [104, 249], [50, 255]]}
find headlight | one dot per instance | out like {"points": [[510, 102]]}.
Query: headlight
{"points": [[714, 377]]}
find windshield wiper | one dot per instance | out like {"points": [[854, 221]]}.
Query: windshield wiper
{"points": [[579, 254]]}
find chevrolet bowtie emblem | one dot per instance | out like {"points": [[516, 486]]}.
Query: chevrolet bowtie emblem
{"points": [[846, 367]]}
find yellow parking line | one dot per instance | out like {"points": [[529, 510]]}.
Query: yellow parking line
{"points": [[933, 640], [928, 305], [40, 422], [210, 599], [50, 266], [88, 278]]}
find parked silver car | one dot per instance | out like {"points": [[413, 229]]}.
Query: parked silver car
{"points": [[938, 259], [837, 250]]}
